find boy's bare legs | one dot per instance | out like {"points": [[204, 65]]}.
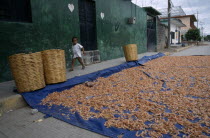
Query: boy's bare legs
{"points": [[81, 62], [72, 64]]}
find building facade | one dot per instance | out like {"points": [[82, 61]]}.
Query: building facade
{"points": [[152, 28], [178, 13], [188, 20], [50, 24], [176, 28]]}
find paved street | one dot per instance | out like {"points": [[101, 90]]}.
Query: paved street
{"points": [[197, 50], [19, 123]]}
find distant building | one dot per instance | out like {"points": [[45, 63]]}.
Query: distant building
{"points": [[178, 13], [188, 20], [176, 28]]}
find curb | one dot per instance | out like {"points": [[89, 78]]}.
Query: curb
{"points": [[167, 53], [181, 49], [11, 103], [175, 50]]}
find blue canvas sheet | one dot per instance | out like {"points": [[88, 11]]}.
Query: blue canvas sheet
{"points": [[63, 113]]}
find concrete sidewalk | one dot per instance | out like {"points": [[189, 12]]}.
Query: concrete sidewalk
{"points": [[10, 100], [22, 124]]}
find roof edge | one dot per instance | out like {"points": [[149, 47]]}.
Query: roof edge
{"points": [[191, 16]]}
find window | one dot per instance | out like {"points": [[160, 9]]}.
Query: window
{"points": [[15, 10]]}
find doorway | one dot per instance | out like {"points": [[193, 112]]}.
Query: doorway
{"points": [[151, 33], [87, 18]]}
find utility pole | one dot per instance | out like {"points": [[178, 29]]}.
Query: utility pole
{"points": [[202, 36], [169, 24], [197, 19], [202, 29], [197, 26]]}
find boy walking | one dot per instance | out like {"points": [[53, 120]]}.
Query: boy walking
{"points": [[77, 53]]}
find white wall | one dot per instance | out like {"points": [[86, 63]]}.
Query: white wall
{"points": [[173, 29]]}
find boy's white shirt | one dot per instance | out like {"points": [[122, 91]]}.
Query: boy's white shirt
{"points": [[77, 50]]}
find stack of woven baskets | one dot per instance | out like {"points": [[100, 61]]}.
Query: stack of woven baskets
{"points": [[33, 71]]}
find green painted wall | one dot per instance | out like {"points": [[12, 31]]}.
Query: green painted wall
{"points": [[113, 31], [54, 25]]}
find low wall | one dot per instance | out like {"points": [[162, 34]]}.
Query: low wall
{"points": [[162, 36]]}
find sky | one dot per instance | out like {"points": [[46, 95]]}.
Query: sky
{"points": [[189, 6]]}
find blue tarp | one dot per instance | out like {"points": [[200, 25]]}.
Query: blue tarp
{"points": [[63, 113]]}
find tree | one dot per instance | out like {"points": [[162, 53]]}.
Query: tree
{"points": [[193, 34], [207, 38]]}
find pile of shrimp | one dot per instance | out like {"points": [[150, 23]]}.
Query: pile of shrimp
{"points": [[155, 98]]}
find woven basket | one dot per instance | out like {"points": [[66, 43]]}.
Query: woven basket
{"points": [[130, 52], [27, 71], [54, 66]]}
